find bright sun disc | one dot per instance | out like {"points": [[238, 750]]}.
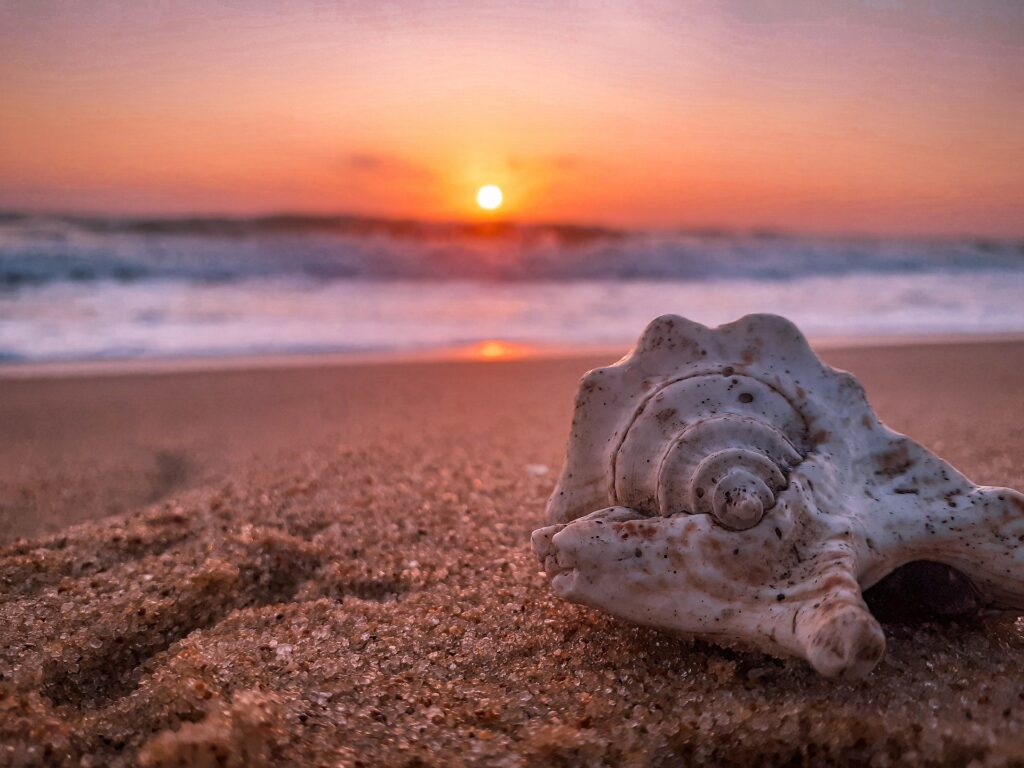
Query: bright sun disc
{"points": [[489, 197]]}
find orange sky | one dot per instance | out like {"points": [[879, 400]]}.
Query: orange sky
{"points": [[867, 117]]}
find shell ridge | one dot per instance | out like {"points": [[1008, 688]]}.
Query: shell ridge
{"points": [[679, 438], [652, 501], [638, 411]]}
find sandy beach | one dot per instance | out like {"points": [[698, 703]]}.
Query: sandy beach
{"points": [[330, 565]]}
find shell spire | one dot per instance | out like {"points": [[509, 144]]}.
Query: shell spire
{"points": [[726, 483]]}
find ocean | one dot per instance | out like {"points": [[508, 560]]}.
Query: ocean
{"points": [[76, 288]]}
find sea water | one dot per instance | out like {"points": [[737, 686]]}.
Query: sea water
{"points": [[82, 288]]}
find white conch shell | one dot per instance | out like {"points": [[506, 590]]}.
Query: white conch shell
{"points": [[724, 483]]}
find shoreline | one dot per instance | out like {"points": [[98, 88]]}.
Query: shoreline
{"points": [[487, 351]]}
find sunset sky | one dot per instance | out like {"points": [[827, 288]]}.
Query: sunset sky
{"points": [[885, 117]]}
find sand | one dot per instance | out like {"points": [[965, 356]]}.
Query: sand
{"points": [[330, 566]]}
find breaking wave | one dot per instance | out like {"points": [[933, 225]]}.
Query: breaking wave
{"points": [[94, 287]]}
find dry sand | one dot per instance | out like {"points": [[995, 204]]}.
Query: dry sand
{"points": [[330, 566]]}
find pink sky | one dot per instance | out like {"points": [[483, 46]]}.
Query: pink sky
{"points": [[868, 117]]}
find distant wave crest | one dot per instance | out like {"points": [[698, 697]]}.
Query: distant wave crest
{"points": [[38, 250]]}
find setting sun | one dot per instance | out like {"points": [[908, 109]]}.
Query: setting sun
{"points": [[489, 197]]}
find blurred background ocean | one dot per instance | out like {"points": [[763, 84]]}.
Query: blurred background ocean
{"points": [[87, 288]]}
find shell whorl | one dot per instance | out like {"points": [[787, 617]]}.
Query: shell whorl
{"points": [[717, 443]]}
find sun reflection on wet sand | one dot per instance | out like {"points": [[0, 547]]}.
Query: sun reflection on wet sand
{"points": [[500, 350]]}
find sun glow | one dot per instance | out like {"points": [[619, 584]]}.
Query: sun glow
{"points": [[489, 197], [491, 350], [494, 349]]}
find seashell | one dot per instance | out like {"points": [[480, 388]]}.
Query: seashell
{"points": [[726, 484]]}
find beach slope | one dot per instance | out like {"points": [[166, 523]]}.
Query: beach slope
{"points": [[331, 566]]}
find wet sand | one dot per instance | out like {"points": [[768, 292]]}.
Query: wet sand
{"points": [[330, 566]]}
